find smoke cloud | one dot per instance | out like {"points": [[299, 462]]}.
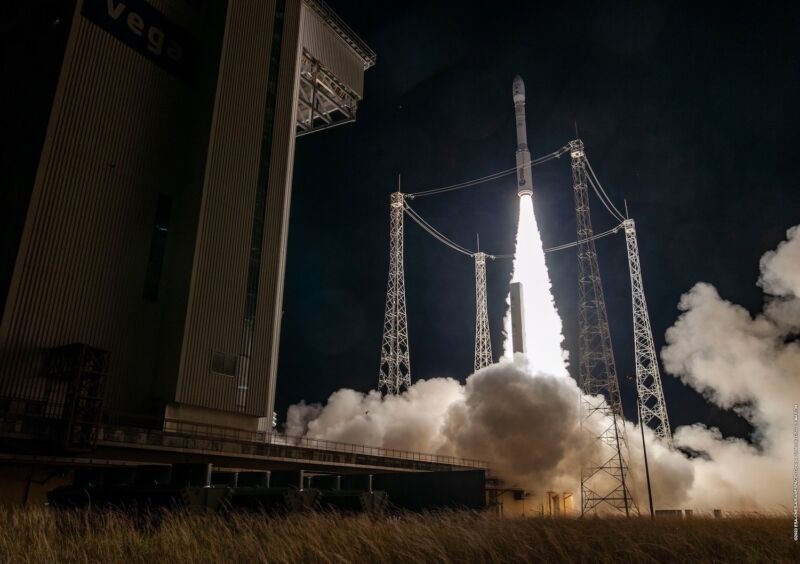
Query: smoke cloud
{"points": [[751, 365], [525, 421]]}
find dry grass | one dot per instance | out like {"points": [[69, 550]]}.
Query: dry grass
{"points": [[40, 535]]}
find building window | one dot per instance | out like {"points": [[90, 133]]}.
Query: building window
{"points": [[224, 363], [158, 244]]}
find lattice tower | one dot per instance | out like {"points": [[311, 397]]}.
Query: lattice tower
{"points": [[648, 377], [395, 368], [483, 341], [604, 484]]}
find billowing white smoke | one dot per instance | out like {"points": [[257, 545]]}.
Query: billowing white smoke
{"points": [[410, 421], [525, 423], [521, 414], [748, 364]]}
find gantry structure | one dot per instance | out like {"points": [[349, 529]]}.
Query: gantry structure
{"points": [[605, 481]]}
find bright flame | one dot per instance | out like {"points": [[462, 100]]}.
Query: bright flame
{"points": [[543, 335]]}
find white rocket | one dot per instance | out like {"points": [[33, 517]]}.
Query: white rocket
{"points": [[524, 188], [524, 181]]}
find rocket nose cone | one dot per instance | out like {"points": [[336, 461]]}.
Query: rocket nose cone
{"points": [[518, 89]]}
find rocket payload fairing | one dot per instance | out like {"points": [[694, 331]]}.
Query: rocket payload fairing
{"points": [[524, 180]]}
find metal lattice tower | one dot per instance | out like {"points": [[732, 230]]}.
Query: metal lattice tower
{"points": [[648, 377], [483, 341], [603, 480], [395, 368]]}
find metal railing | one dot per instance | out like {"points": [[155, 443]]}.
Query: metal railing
{"points": [[238, 442], [210, 437]]}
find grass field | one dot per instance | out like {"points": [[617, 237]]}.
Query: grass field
{"points": [[40, 535]]}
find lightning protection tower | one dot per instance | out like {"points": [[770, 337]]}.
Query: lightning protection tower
{"points": [[603, 480], [648, 378], [483, 341], [395, 368]]}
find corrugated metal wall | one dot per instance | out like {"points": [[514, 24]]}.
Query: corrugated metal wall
{"points": [[215, 320], [111, 148], [123, 131], [328, 48]]}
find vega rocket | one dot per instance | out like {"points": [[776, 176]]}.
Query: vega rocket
{"points": [[524, 180]]}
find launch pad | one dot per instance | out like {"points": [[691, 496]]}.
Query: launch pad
{"points": [[601, 403]]}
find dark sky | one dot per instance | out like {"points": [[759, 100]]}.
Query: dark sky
{"points": [[689, 112]]}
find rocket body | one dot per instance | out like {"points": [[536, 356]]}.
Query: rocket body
{"points": [[524, 180]]}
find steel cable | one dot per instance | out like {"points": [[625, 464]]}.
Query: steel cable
{"points": [[474, 182], [428, 228], [568, 245], [601, 193]]}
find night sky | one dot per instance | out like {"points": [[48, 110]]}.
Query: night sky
{"points": [[689, 112]]}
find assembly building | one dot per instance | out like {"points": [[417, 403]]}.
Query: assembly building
{"points": [[152, 198]]}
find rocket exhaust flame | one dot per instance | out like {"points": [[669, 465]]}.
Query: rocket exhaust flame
{"points": [[542, 330]]}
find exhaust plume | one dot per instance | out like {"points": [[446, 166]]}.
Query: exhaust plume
{"points": [[543, 330]]}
